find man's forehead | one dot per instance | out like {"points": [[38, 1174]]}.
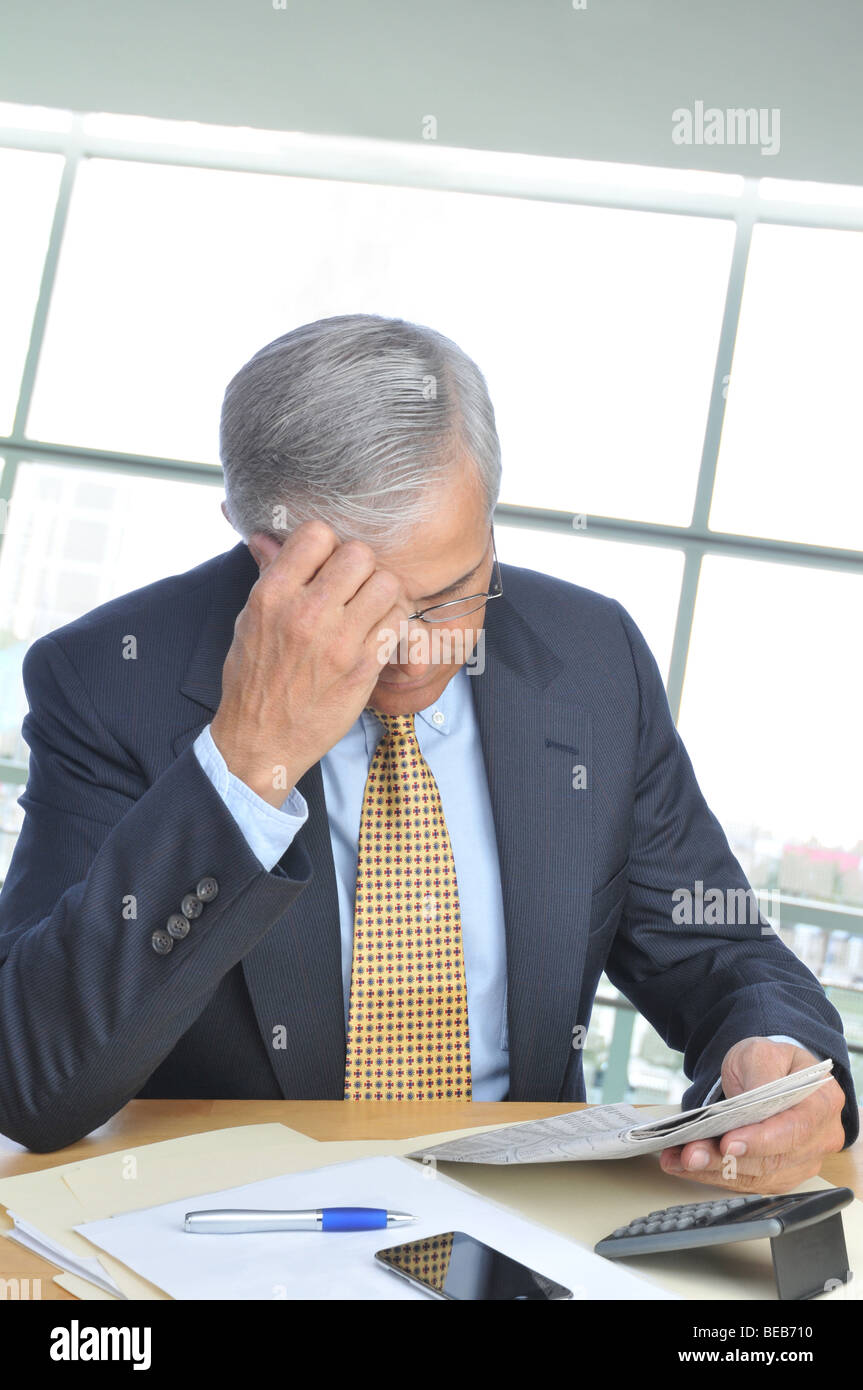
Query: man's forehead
{"points": [[429, 576]]}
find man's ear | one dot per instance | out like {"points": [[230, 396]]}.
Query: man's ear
{"points": [[225, 513]]}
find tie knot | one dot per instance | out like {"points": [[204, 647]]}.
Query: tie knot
{"points": [[396, 725]]}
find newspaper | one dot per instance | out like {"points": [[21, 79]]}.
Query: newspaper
{"points": [[613, 1131]]}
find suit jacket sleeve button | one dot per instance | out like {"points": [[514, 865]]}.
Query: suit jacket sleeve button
{"points": [[191, 906], [207, 889], [178, 926], [162, 942]]}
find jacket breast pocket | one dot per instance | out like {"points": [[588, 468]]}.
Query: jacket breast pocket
{"points": [[606, 901]]}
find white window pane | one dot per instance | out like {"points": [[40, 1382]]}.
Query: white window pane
{"points": [[804, 191], [13, 116], [645, 579], [790, 462], [77, 538], [172, 277], [120, 531], [28, 194], [599, 410], [771, 717], [196, 135]]}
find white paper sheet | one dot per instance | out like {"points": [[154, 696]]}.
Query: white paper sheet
{"points": [[313, 1265], [87, 1268]]}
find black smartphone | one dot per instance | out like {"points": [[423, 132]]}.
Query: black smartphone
{"points": [[454, 1265]]}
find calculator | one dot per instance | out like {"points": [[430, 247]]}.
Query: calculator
{"points": [[722, 1220]]}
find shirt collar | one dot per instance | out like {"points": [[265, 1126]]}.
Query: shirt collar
{"points": [[444, 714]]}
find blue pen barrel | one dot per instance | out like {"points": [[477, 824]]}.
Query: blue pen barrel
{"points": [[353, 1219]]}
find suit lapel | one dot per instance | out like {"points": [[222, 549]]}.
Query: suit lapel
{"points": [[531, 744]]}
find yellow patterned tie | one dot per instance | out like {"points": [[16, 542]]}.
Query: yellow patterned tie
{"points": [[408, 1022]]}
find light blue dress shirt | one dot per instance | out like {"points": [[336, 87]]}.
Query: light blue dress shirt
{"points": [[449, 740]]}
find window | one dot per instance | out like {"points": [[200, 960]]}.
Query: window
{"points": [[791, 465], [29, 183]]}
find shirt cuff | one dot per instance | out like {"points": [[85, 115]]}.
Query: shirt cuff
{"points": [[269, 830], [715, 1094]]}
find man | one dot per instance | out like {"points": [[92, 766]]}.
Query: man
{"points": [[271, 849]]}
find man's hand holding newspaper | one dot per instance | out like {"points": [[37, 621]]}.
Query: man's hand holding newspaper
{"points": [[780, 1101], [776, 1154]]}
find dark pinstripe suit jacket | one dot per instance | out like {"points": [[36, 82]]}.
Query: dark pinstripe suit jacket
{"points": [[121, 822]]}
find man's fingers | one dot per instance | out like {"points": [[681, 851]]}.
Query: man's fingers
{"points": [[793, 1130], [726, 1168], [784, 1179], [380, 604], [303, 553], [704, 1152], [771, 1155], [789, 1133], [343, 573], [382, 639], [774, 1173], [781, 1134], [263, 548], [781, 1150]]}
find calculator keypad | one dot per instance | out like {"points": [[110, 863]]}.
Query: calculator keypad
{"points": [[691, 1216]]}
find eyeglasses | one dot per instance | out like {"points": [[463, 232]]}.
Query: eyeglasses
{"points": [[460, 607]]}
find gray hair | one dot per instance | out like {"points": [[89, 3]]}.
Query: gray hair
{"points": [[352, 420]]}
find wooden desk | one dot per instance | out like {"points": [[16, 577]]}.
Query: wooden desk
{"points": [[148, 1121]]}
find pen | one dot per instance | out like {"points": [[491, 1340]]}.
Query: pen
{"points": [[229, 1220]]}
